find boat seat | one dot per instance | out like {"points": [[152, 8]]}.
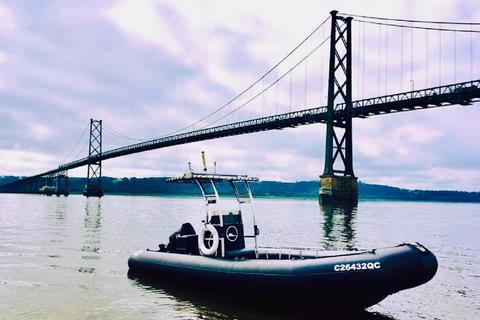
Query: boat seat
{"points": [[187, 240], [187, 229]]}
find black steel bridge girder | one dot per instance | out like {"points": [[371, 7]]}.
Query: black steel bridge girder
{"points": [[462, 93]]}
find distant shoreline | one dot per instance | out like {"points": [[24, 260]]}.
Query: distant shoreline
{"points": [[264, 189]]}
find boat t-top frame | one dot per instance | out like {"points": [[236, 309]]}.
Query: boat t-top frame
{"points": [[210, 240]]}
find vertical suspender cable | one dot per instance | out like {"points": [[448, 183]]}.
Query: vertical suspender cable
{"points": [[251, 103], [276, 90], [306, 60], [440, 55], [358, 61], [401, 64], [426, 58], [322, 72], [379, 55], [454, 57], [264, 99], [291, 72], [471, 52], [386, 61], [411, 58], [363, 67], [242, 110]]}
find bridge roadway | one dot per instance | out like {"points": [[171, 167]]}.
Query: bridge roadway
{"points": [[464, 93]]}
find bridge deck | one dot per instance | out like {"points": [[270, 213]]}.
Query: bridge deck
{"points": [[464, 93]]}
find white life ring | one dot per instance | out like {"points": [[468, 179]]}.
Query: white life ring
{"points": [[213, 240]]}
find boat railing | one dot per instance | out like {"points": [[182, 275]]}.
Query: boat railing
{"points": [[289, 252]]}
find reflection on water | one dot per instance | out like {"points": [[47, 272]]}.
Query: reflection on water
{"points": [[61, 209], [92, 225], [93, 210], [339, 226], [208, 304]]}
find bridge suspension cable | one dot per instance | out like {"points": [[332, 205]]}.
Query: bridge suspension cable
{"points": [[418, 49], [418, 27], [75, 147], [269, 86], [387, 59], [242, 98], [275, 67], [413, 21]]}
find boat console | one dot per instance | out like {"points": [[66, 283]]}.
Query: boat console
{"points": [[223, 232]]}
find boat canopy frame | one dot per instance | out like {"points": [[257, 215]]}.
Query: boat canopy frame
{"points": [[203, 179]]}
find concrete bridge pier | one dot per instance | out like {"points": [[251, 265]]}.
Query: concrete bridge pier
{"points": [[93, 190], [61, 187], [338, 190], [46, 188]]}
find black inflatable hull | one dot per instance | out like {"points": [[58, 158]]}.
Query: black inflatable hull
{"points": [[359, 279]]}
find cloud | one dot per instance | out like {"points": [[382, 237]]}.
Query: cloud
{"points": [[7, 19], [148, 21], [16, 162], [153, 67]]}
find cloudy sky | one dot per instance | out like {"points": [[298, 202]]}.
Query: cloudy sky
{"points": [[149, 68]]}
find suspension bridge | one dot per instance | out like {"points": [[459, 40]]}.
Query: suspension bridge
{"points": [[396, 37]]}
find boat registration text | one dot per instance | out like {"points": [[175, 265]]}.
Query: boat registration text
{"points": [[357, 266]]}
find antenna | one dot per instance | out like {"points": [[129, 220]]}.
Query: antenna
{"points": [[204, 162]]}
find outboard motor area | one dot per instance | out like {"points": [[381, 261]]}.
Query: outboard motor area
{"points": [[184, 240]]}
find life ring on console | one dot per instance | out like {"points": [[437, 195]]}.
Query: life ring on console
{"points": [[212, 240]]}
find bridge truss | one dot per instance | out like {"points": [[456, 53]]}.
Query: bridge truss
{"points": [[464, 93]]}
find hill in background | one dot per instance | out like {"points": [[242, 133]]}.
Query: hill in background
{"points": [[301, 189]]}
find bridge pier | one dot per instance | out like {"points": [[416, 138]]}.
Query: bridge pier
{"points": [[61, 187], [93, 190], [338, 190], [47, 188], [45, 185]]}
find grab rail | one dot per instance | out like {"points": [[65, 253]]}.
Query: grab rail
{"points": [[301, 252]]}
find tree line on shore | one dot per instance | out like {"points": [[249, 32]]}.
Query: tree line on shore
{"points": [[302, 189]]}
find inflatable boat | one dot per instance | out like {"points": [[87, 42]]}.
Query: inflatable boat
{"points": [[217, 258]]}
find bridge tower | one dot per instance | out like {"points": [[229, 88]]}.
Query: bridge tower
{"points": [[338, 183], [94, 187]]}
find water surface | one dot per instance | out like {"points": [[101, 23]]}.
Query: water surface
{"points": [[66, 258]]}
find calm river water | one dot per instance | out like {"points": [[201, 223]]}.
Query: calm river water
{"points": [[66, 258]]}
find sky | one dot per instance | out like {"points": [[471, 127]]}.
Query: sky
{"points": [[148, 68]]}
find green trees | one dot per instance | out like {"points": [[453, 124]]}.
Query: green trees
{"points": [[302, 189]]}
